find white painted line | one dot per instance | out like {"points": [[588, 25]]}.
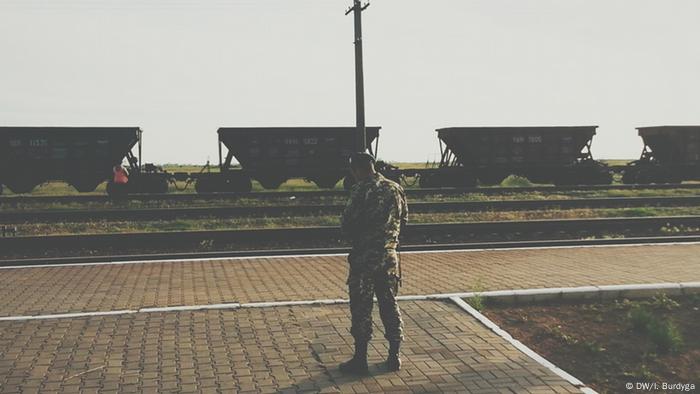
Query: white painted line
{"points": [[68, 315], [217, 259], [580, 291], [186, 308], [269, 257], [519, 345], [293, 303], [429, 297]]}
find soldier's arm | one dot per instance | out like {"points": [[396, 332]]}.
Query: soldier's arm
{"points": [[352, 213], [403, 208]]}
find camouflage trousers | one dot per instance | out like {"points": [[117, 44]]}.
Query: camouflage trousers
{"points": [[363, 285]]}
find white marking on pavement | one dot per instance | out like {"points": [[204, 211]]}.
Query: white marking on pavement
{"points": [[188, 308], [67, 315], [584, 291]]}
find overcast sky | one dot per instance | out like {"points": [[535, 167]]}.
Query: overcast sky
{"points": [[182, 68]]}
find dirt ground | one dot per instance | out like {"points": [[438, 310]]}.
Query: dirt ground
{"points": [[600, 344]]}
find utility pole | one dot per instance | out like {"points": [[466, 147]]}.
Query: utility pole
{"points": [[357, 9]]}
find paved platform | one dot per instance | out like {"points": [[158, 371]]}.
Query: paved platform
{"points": [[277, 349], [88, 288], [288, 348]]}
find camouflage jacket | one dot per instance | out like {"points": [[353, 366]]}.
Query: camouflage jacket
{"points": [[373, 218]]}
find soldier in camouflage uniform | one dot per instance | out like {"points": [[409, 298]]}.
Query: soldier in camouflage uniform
{"points": [[372, 221]]}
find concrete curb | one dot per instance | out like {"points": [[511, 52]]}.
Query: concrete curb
{"points": [[569, 294], [519, 345], [504, 296], [593, 293]]}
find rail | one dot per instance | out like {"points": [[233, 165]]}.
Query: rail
{"points": [[154, 257], [330, 236], [44, 216], [333, 193]]}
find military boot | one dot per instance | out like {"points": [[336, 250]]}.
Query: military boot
{"points": [[357, 365], [393, 361]]}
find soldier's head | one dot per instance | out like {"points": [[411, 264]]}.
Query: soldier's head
{"points": [[362, 165]]}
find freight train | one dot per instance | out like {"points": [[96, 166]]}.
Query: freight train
{"points": [[84, 157]]}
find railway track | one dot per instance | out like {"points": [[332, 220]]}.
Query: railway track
{"points": [[8, 200], [342, 250], [47, 216], [315, 237]]}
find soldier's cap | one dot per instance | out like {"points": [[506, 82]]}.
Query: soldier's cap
{"points": [[361, 158]]}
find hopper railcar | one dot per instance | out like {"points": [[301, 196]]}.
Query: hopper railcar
{"points": [[671, 154], [83, 157], [486, 155], [272, 155]]}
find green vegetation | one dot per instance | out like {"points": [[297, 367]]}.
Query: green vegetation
{"points": [[589, 346], [617, 162], [477, 301], [566, 338], [640, 317], [341, 199], [643, 372], [212, 223], [516, 181], [663, 334], [666, 336]]}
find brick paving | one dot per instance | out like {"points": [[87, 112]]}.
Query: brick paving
{"points": [[292, 348], [31, 291], [275, 349]]}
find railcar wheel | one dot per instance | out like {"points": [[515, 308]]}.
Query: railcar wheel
{"points": [[605, 179], [428, 181], [648, 176], [327, 181], [491, 178], [84, 185], [154, 185], [271, 181], [240, 184], [463, 180], [204, 185], [23, 186], [629, 176], [116, 190], [394, 177], [348, 182]]}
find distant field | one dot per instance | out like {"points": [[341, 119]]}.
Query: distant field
{"points": [[617, 162]]}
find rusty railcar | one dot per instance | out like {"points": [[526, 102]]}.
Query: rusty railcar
{"points": [[671, 154], [553, 154], [272, 155]]}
